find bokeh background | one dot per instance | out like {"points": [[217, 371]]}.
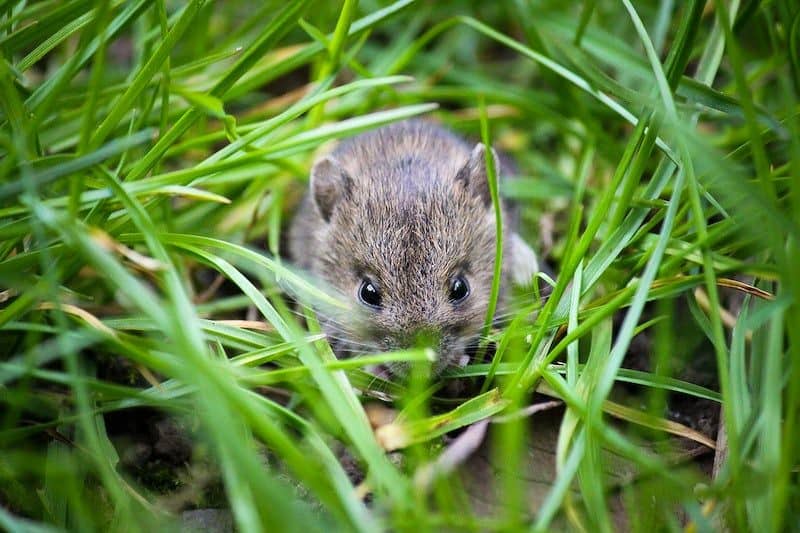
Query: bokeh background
{"points": [[161, 364]]}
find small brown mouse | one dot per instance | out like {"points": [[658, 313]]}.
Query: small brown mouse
{"points": [[400, 222]]}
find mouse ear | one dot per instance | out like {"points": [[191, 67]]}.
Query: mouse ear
{"points": [[329, 183], [474, 175]]}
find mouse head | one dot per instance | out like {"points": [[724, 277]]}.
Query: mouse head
{"points": [[411, 245]]}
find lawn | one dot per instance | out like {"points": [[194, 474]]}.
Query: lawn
{"points": [[162, 362]]}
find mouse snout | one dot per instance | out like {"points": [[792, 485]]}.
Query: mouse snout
{"points": [[449, 348], [420, 337]]}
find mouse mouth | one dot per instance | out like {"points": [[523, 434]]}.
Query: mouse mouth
{"points": [[453, 349], [452, 354]]}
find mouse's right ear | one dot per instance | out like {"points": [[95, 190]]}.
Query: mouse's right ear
{"points": [[329, 184]]}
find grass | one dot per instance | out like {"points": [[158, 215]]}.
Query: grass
{"points": [[152, 152]]}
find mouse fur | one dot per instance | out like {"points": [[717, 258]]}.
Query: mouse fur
{"points": [[407, 208]]}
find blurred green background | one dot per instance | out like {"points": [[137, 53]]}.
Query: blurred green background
{"points": [[152, 366]]}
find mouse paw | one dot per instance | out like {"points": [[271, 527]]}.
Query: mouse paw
{"points": [[524, 263]]}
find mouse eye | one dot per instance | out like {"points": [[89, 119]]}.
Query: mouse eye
{"points": [[459, 289], [369, 294]]}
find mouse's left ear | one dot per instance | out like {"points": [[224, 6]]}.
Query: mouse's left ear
{"points": [[475, 176]]}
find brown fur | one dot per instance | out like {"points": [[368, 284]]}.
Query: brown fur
{"points": [[407, 206]]}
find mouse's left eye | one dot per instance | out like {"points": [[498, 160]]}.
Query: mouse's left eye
{"points": [[459, 289]]}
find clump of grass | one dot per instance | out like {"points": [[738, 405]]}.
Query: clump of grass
{"points": [[151, 152]]}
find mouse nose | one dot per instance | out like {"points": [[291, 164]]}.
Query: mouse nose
{"points": [[421, 337]]}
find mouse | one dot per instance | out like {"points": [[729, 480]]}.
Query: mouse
{"points": [[399, 222]]}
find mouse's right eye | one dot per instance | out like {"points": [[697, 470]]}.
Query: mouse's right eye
{"points": [[369, 294]]}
